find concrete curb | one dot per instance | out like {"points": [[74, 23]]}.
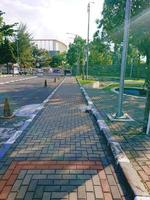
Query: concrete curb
{"points": [[10, 141], [132, 178]]}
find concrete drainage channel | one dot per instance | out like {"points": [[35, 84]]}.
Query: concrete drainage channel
{"points": [[130, 174], [11, 140]]}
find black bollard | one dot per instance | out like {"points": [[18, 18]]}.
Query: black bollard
{"points": [[55, 80], [45, 83]]}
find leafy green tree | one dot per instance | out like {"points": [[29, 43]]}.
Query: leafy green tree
{"points": [[58, 60], [6, 53], [23, 43], [41, 56], [100, 53], [6, 30], [76, 54], [6, 46]]}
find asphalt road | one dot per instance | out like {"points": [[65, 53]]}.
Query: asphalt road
{"points": [[25, 92]]}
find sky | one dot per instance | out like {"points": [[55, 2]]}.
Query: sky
{"points": [[53, 19]]}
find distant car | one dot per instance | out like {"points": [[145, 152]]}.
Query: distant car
{"points": [[40, 70], [22, 73], [56, 71], [39, 74], [67, 72]]}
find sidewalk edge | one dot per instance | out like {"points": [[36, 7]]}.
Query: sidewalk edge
{"points": [[132, 178]]}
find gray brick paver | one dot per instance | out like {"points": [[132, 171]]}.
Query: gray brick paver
{"points": [[22, 192]]}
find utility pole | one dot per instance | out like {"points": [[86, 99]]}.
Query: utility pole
{"points": [[124, 57], [88, 33]]}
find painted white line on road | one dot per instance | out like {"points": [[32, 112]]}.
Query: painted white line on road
{"points": [[22, 79]]}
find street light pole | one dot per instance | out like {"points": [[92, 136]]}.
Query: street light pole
{"points": [[88, 33], [124, 57], [148, 125]]}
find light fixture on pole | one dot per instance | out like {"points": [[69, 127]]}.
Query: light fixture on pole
{"points": [[88, 33], [120, 116]]}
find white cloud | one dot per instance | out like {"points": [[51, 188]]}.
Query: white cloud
{"points": [[52, 18]]}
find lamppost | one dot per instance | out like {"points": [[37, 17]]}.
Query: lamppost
{"points": [[148, 125], [88, 32], [124, 57], [120, 115]]}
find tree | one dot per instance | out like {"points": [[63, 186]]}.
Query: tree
{"points": [[41, 56], [6, 53], [75, 54], [58, 60], [6, 30], [99, 52], [6, 46], [23, 43]]}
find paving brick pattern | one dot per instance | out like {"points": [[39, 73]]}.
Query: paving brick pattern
{"points": [[62, 155], [133, 141]]}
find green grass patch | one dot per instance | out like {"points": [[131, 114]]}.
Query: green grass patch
{"points": [[84, 82], [128, 84]]}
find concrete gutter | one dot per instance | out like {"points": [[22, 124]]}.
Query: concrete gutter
{"points": [[11, 140], [132, 178]]}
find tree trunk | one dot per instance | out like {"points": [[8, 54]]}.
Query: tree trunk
{"points": [[83, 72], [7, 68]]}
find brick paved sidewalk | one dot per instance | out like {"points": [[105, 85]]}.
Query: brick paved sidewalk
{"points": [[62, 155], [134, 142]]}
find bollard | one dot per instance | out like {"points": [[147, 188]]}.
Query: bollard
{"points": [[7, 111], [45, 83], [55, 80]]}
